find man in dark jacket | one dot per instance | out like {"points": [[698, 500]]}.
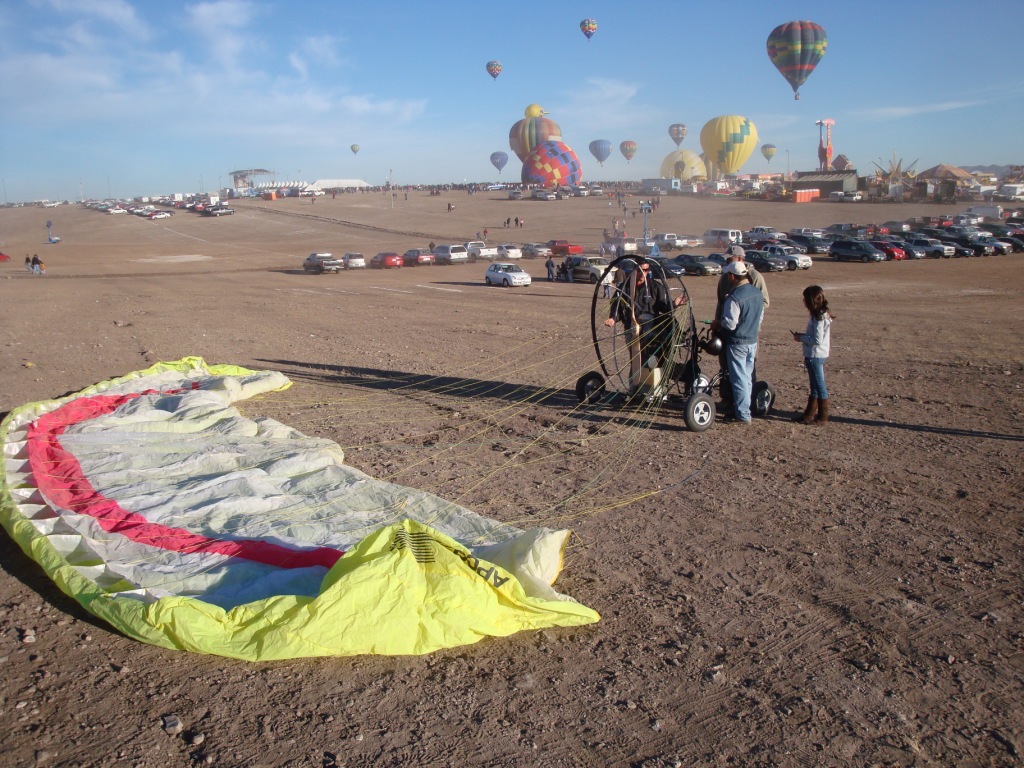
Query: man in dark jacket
{"points": [[738, 327]]}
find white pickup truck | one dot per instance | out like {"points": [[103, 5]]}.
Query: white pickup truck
{"points": [[668, 240], [478, 249]]}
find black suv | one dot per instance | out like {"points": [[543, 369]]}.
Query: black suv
{"points": [[855, 250]]}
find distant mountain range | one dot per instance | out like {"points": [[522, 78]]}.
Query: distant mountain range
{"points": [[994, 170]]}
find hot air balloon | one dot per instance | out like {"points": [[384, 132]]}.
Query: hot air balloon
{"points": [[628, 149], [588, 27], [498, 160], [494, 69], [355, 149], [600, 149], [728, 141], [552, 163], [768, 150], [795, 49], [682, 164], [532, 130], [678, 132]]}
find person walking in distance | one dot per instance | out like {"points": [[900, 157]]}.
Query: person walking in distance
{"points": [[816, 341], [738, 328]]}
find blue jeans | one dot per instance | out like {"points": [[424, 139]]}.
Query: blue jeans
{"points": [[816, 373], [551, 274], [740, 360]]}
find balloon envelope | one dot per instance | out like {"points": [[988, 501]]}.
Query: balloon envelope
{"points": [[768, 150], [498, 160], [494, 69], [600, 149], [728, 141], [682, 164], [795, 49], [678, 132], [355, 149], [628, 149], [529, 132], [588, 27], [552, 163]]}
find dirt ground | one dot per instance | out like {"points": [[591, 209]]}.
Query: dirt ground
{"points": [[777, 595]]}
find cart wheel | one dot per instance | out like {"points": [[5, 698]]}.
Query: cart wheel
{"points": [[590, 388], [700, 412], [763, 399]]}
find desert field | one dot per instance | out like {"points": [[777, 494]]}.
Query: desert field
{"points": [[780, 595]]}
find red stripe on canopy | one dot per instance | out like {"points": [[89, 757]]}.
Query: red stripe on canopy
{"points": [[60, 478]]}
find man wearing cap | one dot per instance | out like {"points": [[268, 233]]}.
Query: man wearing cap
{"points": [[738, 328], [736, 253]]}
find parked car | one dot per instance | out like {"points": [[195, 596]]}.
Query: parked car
{"points": [[671, 266], [451, 254], [418, 257], [811, 243], [911, 251], [588, 268], [998, 246], [543, 194], [897, 226], [354, 261], [506, 274], [581, 192], [535, 250], [764, 262], [218, 210], [515, 194], [113, 211], [976, 246], [855, 250], [931, 247], [718, 258], [386, 260], [509, 251], [701, 266], [690, 241], [792, 259], [892, 251], [318, 263], [959, 251]]}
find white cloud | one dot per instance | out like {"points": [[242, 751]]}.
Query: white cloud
{"points": [[116, 13], [913, 110]]}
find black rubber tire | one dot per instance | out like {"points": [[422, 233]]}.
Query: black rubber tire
{"points": [[487, 280], [864, 259], [506, 283], [593, 279], [762, 399], [700, 412], [791, 266], [590, 388]]}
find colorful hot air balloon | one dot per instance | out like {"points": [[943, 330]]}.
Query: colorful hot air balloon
{"points": [[795, 49], [355, 149], [588, 27], [494, 69], [498, 160], [628, 149], [600, 149], [532, 130], [768, 150], [682, 164], [552, 163], [728, 142], [678, 132]]}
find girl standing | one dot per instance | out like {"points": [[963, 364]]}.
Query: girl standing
{"points": [[816, 341]]}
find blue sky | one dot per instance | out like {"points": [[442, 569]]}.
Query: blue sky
{"points": [[149, 98]]}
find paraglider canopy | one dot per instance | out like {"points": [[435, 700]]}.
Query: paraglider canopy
{"points": [[588, 27], [795, 49], [494, 69]]}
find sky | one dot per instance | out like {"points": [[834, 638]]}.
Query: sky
{"points": [[116, 98]]}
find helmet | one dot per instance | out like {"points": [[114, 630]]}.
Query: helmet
{"points": [[712, 345]]}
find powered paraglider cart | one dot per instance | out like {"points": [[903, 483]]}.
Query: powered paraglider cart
{"points": [[649, 348]]}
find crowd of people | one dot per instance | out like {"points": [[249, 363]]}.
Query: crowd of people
{"points": [[34, 265]]}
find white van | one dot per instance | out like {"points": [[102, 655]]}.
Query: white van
{"points": [[722, 238]]}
